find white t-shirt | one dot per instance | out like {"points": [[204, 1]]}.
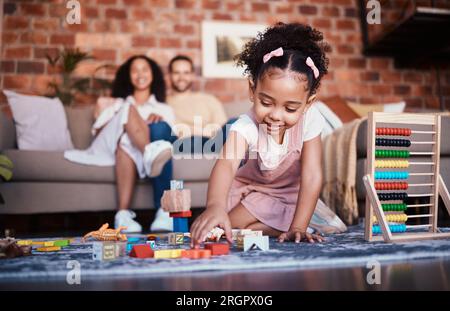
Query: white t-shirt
{"points": [[312, 127]]}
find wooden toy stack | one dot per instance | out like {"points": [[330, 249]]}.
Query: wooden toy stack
{"points": [[177, 201]]}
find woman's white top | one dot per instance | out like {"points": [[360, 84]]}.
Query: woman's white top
{"points": [[112, 132]]}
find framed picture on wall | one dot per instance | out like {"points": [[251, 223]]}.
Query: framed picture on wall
{"points": [[221, 41]]}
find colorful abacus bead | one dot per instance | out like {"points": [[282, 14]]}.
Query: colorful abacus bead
{"points": [[394, 207], [391, 175], [391, 185], [381, 153], [391, 163], [392, 142], [402, 196], [392, 131], [393, 218], [395, 228]]}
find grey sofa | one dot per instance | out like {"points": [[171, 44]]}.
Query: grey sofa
{"points": [[44, 182]]}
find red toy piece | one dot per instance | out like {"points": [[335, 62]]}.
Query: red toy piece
{"points": [[218, 248], [181, 214], [141, 251], [196, 253]]}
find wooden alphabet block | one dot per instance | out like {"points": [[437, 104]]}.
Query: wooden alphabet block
{"points": [[103, 251], [176, 238]]}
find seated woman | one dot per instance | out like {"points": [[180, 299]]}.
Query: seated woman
{"points": [[133, 132]]}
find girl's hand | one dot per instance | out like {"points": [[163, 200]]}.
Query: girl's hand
{"points": [[298, 236], [212, 217], [153, 118]]}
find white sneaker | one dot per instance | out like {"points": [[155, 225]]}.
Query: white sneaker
{"points": [[156, 154], [162, 222], [125, 218]]}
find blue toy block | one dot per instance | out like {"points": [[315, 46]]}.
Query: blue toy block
{"points": [[180, 225]]}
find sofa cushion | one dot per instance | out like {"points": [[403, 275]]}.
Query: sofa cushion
{"points": [[41, 123], [51, 166], [80, 121]]}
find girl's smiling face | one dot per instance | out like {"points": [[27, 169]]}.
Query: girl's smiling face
{"points": [[280, 98]]}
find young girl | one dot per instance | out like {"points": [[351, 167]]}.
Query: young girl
{"points": [[276, 187], [133, 132]]}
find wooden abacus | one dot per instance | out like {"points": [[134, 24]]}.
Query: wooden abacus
{"points": [[389, 219]]}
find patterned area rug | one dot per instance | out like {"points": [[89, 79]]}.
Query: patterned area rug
{"points": [[347, 249]]}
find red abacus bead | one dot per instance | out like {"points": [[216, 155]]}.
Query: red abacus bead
{"points": [[408, 132], [395, 131]]}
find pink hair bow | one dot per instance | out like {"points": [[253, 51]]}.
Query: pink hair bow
{"points": [[274, 53], [311, 65]]}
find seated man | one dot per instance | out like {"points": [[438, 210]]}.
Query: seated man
{"points": [[199, 116]]}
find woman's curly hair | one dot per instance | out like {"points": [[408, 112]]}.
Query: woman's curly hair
{"points": [[122, 86], [298, 42]]}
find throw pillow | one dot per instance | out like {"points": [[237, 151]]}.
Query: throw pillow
{"points": [[41, 122], [364, 109], [339, 106]]}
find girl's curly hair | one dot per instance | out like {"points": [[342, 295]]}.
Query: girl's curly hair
{"points": [[122, 86], [298, 42]]}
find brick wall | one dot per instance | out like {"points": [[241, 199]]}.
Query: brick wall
{"points": [[113, 30]]}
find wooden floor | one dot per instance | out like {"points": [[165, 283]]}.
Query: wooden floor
{"points": [[414, 275]]}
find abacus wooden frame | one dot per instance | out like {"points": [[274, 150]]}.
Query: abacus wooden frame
{"points": [[373, 204]]}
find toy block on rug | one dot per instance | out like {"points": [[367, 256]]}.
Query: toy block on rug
{"points": [[218, 249], [176, 238], [61, 243], [48, 249], [142, 251], [103, 251], [168, 253], [25, 242], [247, 243], [196, 253]]}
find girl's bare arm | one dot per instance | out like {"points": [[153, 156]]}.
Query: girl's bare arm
{"points": [[219, 185]]}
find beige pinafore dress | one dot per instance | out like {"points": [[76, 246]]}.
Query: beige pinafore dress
{"points": [[271, 195]]}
